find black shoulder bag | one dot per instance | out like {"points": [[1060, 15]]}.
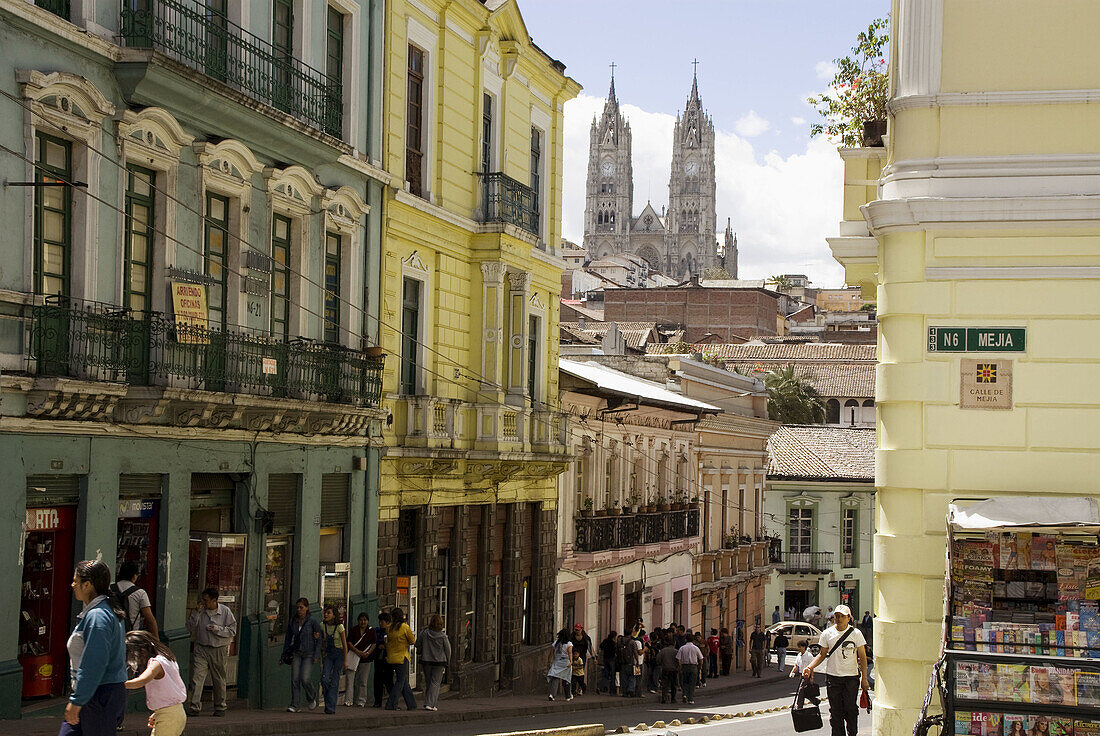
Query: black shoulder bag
{"points": [[808, 717]]}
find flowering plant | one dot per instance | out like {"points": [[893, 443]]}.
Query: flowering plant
{"points": [[859, 90]]}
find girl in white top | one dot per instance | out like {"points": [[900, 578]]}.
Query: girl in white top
{"points": [[165, 692], [801, 662]]}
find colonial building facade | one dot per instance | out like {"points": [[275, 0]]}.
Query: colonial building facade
{"points": [[189, 293], [471, 279], [679, 242]]}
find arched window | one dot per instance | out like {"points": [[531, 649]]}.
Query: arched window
{"points": [[869, 412], [851, 412], [832, 411]]}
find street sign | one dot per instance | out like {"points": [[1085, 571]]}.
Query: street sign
{"points": [[977, 339]]}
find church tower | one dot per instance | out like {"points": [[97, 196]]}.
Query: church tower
{"points": [[692, 220], [609, 196], [729, 250]]}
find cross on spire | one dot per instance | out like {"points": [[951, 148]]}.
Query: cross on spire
{"points": [[694, 66], [613, 70]]}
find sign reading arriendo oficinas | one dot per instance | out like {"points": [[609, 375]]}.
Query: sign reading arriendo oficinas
{"points": [[977, 339]]}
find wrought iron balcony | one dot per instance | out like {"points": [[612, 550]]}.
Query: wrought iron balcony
{"points": [[602, 533], [807, 562], [506, 200], [202, 38], [98, 342]]}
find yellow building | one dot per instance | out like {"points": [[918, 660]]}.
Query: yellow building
{"points": [[986, 215], [470, 283]]}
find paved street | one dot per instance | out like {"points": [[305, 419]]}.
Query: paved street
{"points": [[757, 698]]}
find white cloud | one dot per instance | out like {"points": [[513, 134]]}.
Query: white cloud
{"points": [[751, 125], [798, 121], [825, 70], [782, 208]]}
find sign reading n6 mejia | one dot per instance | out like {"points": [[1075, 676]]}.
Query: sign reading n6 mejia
{"points": [[977, 339]]}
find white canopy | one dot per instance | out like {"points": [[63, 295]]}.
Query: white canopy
{"points": [[1025, 511]]}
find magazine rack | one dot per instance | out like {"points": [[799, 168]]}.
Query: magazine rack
{"points": [[988, 693]]}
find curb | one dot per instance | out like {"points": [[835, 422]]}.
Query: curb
{"points": [[705, 718], [592, 729]]}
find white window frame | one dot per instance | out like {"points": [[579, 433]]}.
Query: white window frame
{"points": [[292, 192], [349, 77], [344, 213], [414, 268], [427, 40]]}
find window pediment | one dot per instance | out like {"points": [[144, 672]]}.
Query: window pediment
{"points": [[344, 208], [154, 134]]}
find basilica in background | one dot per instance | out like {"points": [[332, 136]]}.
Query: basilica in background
{"points": [[679, 242]]}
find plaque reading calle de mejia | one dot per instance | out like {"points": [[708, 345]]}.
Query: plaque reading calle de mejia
{"points": [[985, 383]]}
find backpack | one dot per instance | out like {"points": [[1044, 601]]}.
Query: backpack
{"points": [[624, 651], [122, 597]]}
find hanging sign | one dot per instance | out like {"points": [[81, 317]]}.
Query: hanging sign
{"points": [[189, 309]]}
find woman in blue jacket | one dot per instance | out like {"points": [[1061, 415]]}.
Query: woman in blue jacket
{"points": [[97, 656], [301, 650]]}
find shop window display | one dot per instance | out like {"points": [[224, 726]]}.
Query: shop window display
{"points": [[45, 599]]}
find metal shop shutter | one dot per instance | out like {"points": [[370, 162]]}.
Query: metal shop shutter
{"points": [[282, 498], [140, 485], [52, 490], [211, 490], [334, 499]]}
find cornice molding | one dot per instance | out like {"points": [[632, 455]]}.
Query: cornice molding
{"points": [[1004, 97], [1013, 273], [918, 213]]}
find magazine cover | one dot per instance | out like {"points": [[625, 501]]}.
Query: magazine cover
{"points": [[1084, 728], [966, 680], [1062, 678], [1038, 725], [962, 723], [1092, 580], [1087, 688], [1014, 725], [1044, 553], [984, 677], [1006, 552], [1023, 550], [1046, 686], [1013, 683], [1061, 726], [986, 724]]}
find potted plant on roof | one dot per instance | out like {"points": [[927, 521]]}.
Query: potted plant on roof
{"points": [[662, 502], [586, 506], [632, 502], [853, 110], [680, 503], [616, 509]]}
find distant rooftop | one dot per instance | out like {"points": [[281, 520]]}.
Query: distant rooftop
{"points": [[811, 452]]}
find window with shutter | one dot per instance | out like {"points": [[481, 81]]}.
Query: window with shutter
{"points": [[282, 499], [334, 499]]}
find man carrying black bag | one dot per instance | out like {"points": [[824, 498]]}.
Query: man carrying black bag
{"points": [[843, 649]]}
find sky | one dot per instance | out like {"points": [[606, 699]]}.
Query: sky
{"points": [[758, 62]]}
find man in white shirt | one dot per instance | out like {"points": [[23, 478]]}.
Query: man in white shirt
{"points": [[845, 670], [134, 600], [690, 658]]}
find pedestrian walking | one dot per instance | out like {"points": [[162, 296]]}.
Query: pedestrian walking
{"points": [[383, 673], [670, 670], [690, 658], [559, 668], [213, 627], [807, 688], [334, 653], [608, 648], [867, 625], [301, 650], [134, 600], [399, 637], [758, 643], [357, 668], [651, 674], [781, 642], [776, 615], [725, 650], [582, 648], [165, 692], [97, 656], [702, 645], [845, 670], [713, 647], [624, 663], [435, 654]]}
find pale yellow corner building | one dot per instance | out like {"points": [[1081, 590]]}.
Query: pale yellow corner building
{"points": [[987, 214]]}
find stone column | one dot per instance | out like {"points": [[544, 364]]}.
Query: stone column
{"points": [[520, 282], [511, 613], [492, 301]]}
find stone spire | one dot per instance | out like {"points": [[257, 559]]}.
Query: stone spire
{"points": [[729, 254]]}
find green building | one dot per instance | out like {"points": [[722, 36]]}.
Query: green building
{"points": [[189, 305]]}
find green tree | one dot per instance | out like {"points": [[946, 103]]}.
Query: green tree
{"points": [[792, 400], [859, 90]]}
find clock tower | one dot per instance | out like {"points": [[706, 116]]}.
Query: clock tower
{"points": [[609, 196], [692, 221]]}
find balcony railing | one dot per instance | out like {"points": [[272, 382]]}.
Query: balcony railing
{"points": [[848, 559], [98, 342], [205, 40], [806, 561], [508, 201], [601, 533]]}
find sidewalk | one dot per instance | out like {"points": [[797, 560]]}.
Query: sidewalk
{"points": [[241, 721]]}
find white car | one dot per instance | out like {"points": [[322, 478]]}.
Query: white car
{"points": [[795, 631]]}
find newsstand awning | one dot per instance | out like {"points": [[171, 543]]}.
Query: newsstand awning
{"points": [[1025, 511]]}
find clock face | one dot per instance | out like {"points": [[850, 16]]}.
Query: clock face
{"points": [[691, 167], [607, 168]]}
